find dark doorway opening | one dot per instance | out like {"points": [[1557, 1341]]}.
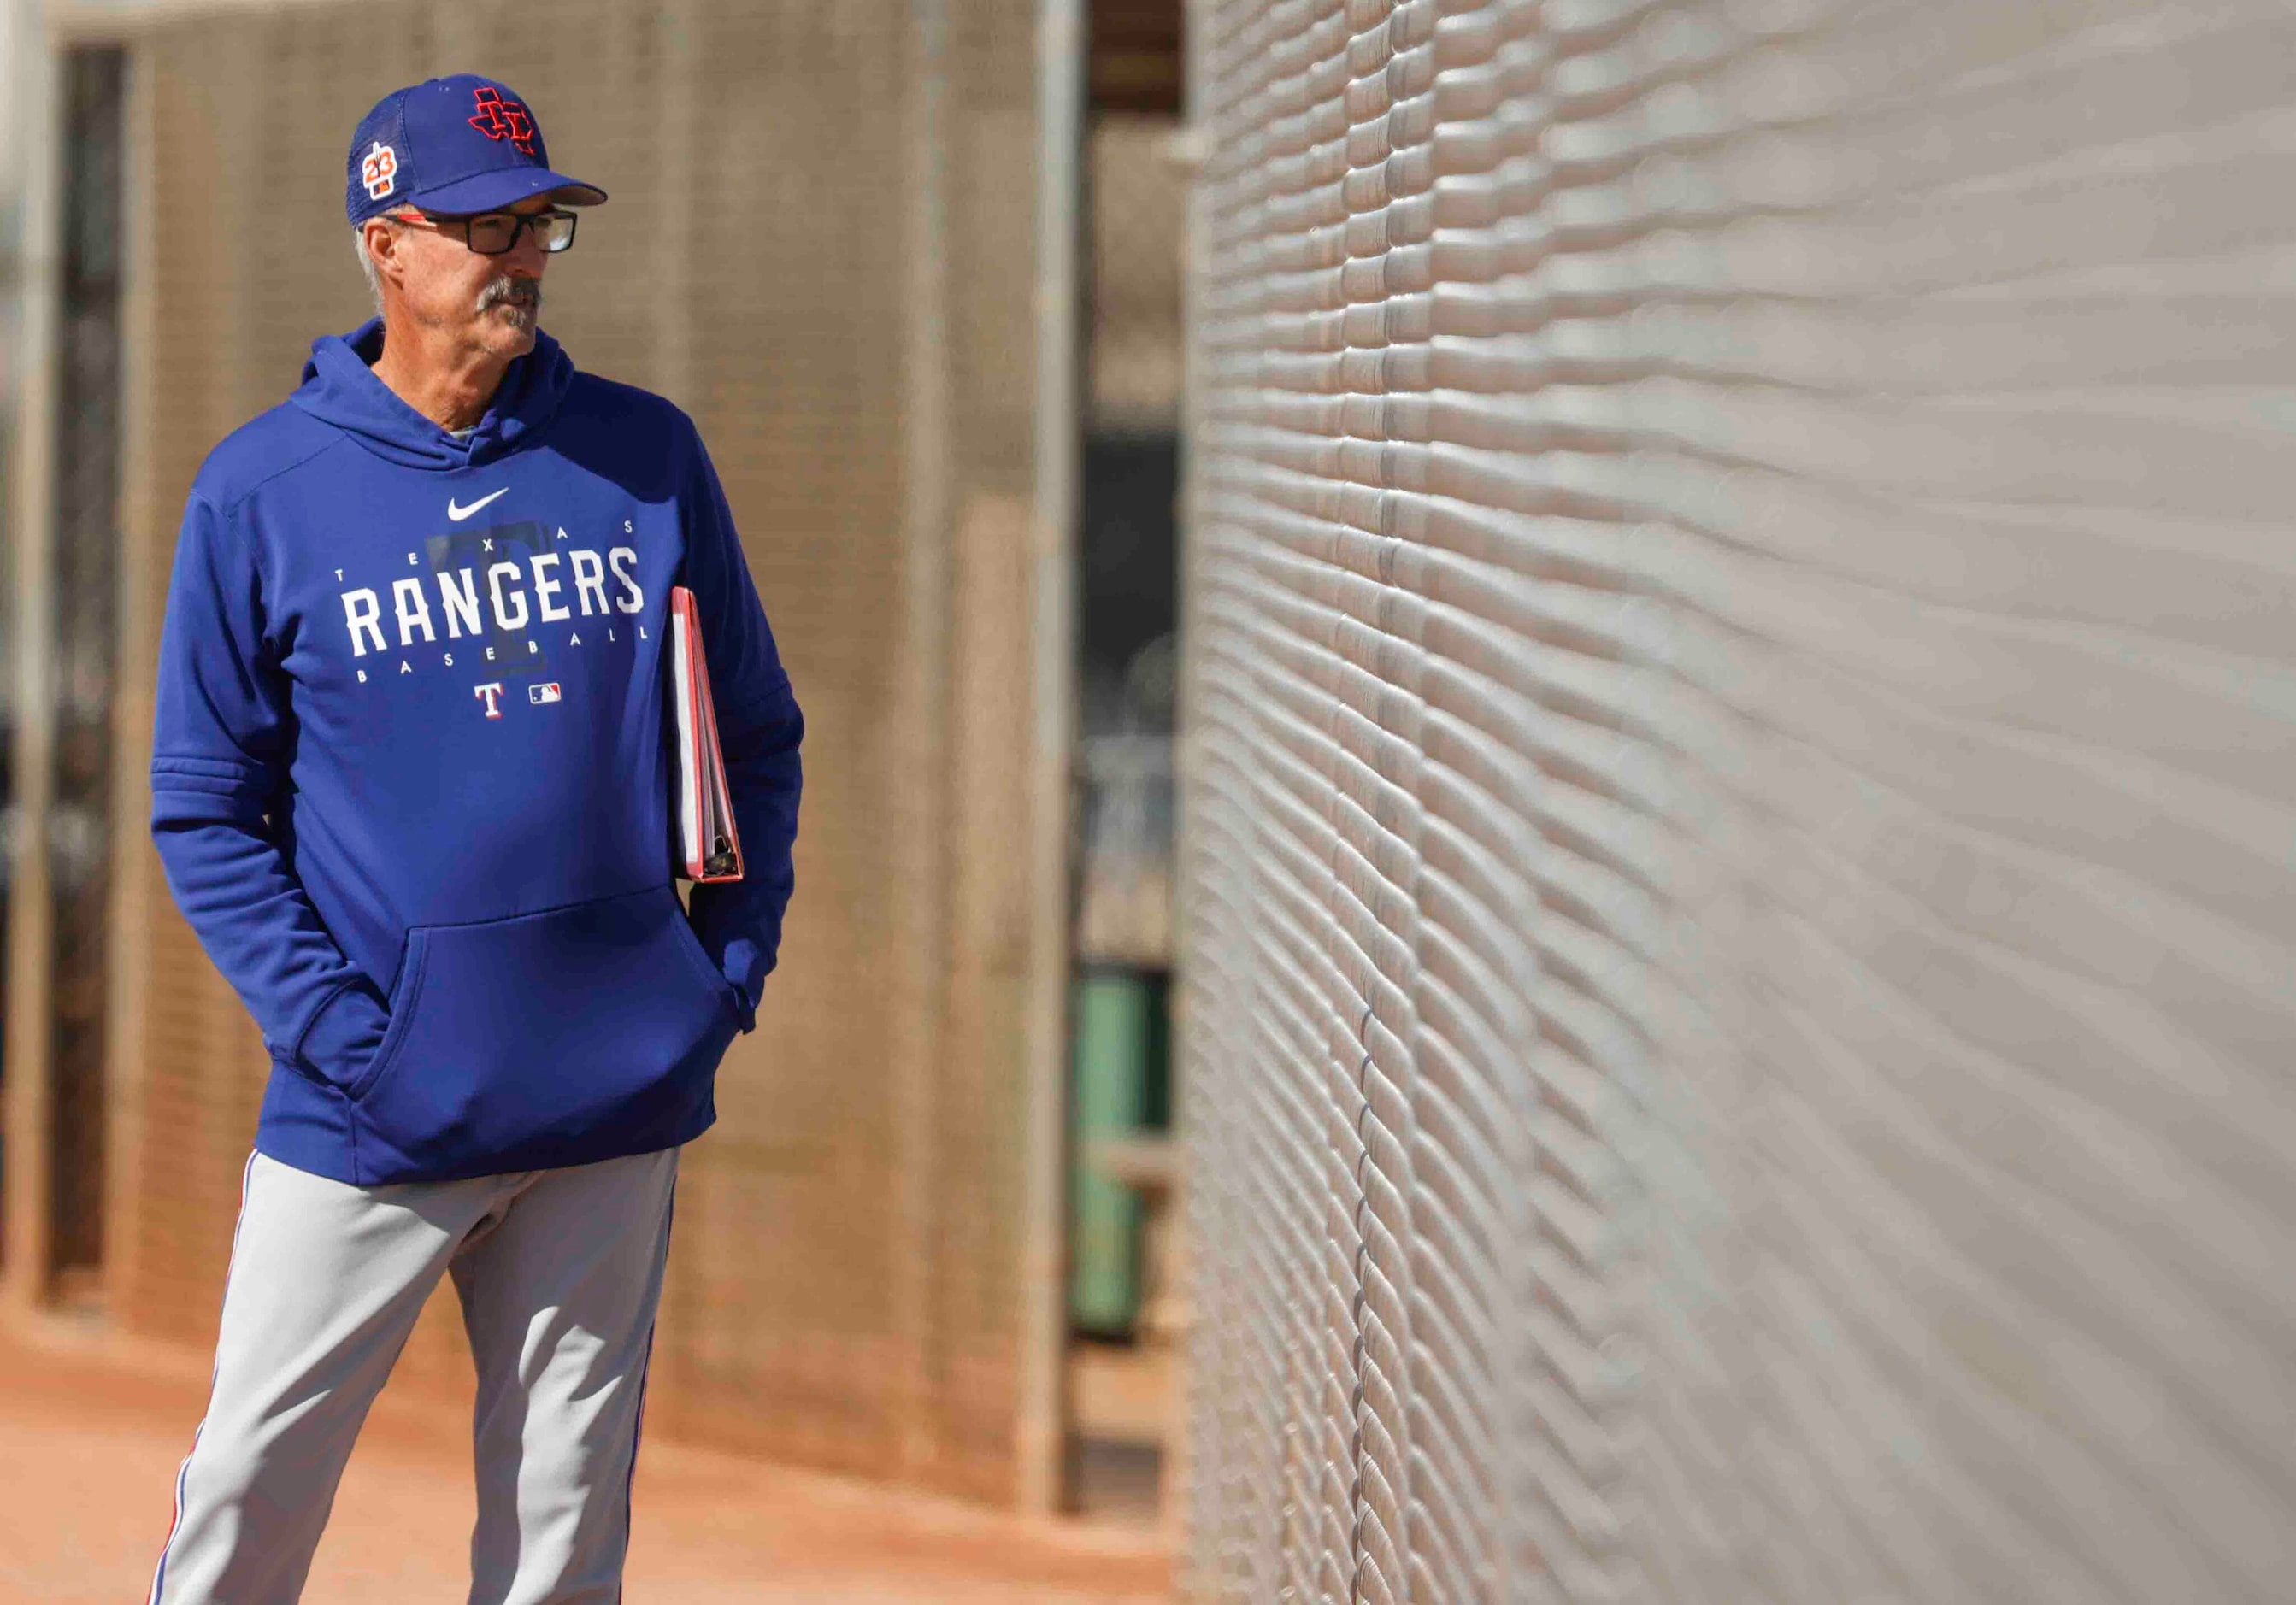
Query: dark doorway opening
{"points": [[1125, 1313], [85, 574]]}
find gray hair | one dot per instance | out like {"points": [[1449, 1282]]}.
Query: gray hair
{"points": [[367, 267]]}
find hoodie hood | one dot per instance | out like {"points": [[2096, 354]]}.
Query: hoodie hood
{"points": [[340, 387]]}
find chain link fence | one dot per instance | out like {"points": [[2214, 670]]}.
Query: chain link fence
{"points": [[1737, 917]]}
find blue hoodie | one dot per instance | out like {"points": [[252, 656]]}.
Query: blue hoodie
{"points": [[410, 780]]}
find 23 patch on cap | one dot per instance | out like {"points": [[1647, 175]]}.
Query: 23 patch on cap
{"points": [[378, 170]]}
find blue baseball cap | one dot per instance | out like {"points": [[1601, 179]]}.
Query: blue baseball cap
{"points": [[457, 144]]}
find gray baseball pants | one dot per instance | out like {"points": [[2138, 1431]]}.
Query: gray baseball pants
{"points": [[559, 1272]]}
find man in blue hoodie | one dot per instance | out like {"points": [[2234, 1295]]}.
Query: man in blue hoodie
{"points": [[410, 785]]}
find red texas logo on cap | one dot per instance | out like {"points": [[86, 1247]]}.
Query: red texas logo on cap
{"points": [[499, 118], [378, 170]]}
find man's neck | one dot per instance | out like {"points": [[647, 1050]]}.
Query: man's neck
{"points": [[446, 381]]}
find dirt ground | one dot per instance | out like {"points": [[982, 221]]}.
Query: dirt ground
{"points": [[91, 1431]]}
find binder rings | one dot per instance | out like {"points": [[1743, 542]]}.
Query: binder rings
{"points": [[708, 847]]}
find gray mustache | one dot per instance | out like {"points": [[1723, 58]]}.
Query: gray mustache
{"points": [[510, 291]]}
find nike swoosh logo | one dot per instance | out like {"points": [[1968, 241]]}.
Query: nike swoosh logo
{"points": [[458, 512]]}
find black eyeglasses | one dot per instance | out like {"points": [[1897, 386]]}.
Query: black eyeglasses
{"points": [[491, 234]]}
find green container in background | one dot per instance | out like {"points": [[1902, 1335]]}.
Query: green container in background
{"points": [[1120, 1074]]}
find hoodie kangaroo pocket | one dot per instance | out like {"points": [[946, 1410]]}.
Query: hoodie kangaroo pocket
{"points": [[544, 1039]]}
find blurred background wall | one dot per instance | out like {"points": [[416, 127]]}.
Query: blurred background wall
{"points": [[24, 60], [914, 269], [1740, 879], [824, 244]]}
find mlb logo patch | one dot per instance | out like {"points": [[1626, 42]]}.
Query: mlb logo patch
{"points": [[547, 692], [378, 170]]}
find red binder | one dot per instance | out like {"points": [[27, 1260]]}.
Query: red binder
{"points": [[709, 846]]}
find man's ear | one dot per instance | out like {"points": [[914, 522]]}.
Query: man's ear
{"points": [[381, 242]]}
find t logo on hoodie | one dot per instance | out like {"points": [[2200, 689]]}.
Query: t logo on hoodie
{"points": [[491, 694]]}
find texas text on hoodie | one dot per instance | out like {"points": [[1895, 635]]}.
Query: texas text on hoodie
{"points": [[409, 777]]}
